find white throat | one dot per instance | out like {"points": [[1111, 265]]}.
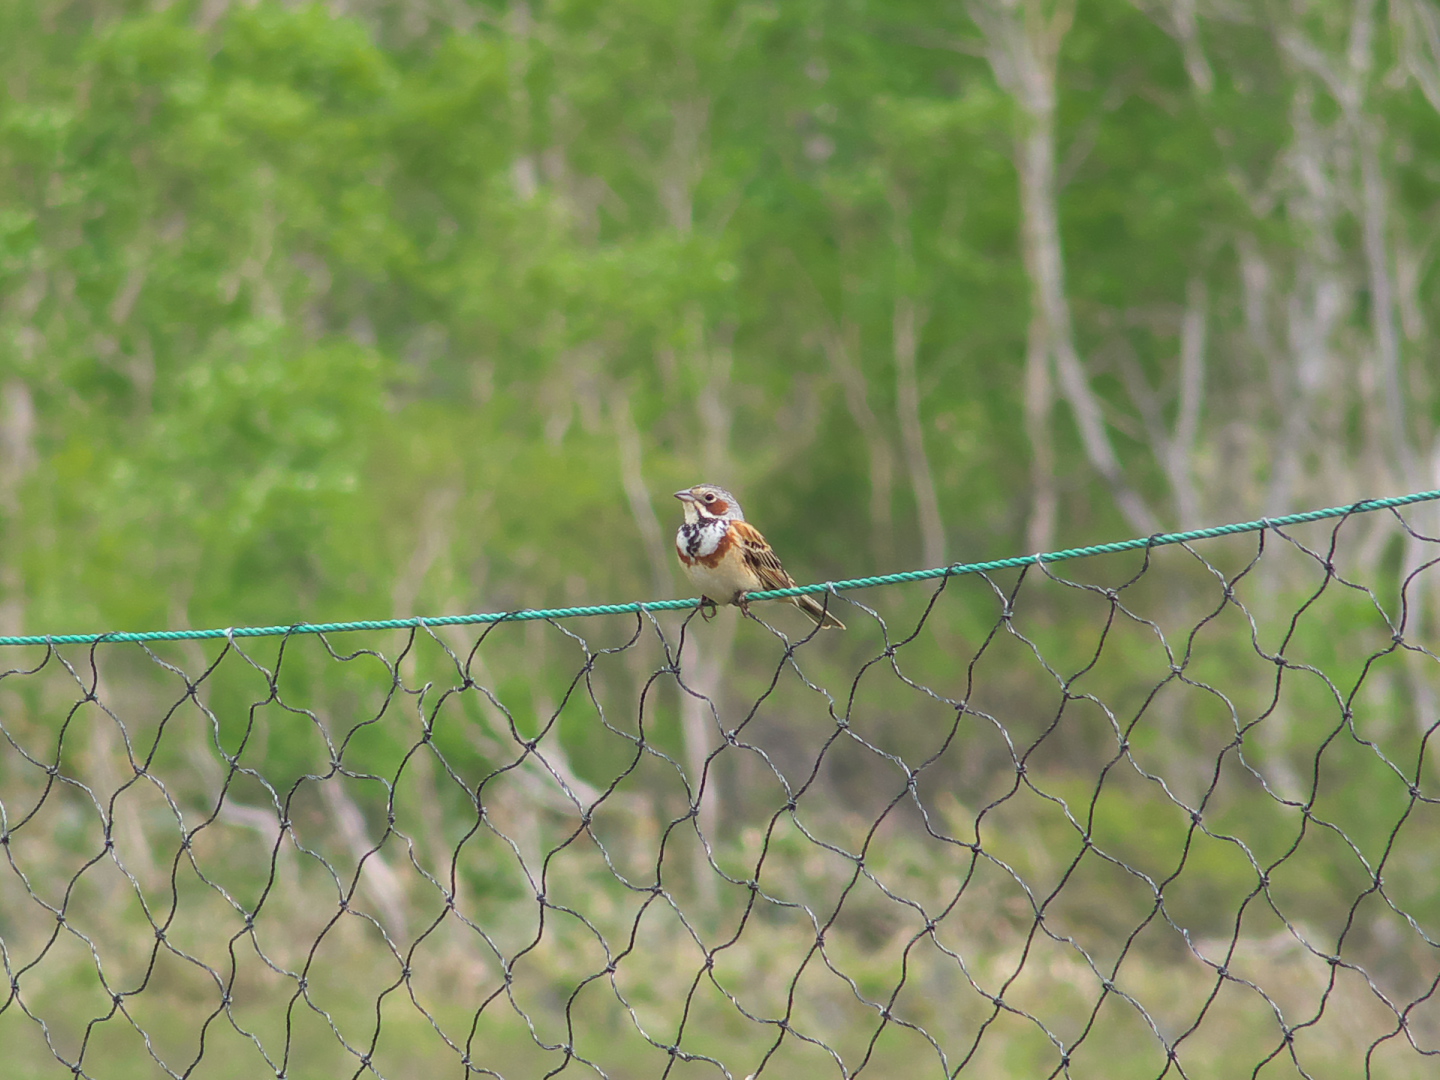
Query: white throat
{"points": [[700, 538]]}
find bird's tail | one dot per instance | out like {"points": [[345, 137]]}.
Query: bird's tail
{"points": [[816, 610]]}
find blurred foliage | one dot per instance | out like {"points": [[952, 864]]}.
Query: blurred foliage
{"points": [[368, 310], [292, 296]]}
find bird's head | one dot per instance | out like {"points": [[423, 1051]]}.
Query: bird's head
{"points": [[706, 502]]}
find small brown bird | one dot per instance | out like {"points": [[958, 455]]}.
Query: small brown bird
{"points": [[726, 557]]}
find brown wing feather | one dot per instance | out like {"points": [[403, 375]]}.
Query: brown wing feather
{"points": [[761, 558]]}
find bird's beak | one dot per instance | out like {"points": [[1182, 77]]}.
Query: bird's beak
{"points": [[684, 496]]}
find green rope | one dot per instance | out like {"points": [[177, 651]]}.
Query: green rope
{"points": [[956, 570]]}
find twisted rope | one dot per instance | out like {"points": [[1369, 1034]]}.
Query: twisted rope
{"points": [[1365, 506]]}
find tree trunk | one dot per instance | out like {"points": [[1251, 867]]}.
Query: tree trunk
{"points": [[841, 350], [1022, 40], [657, 550], [907, 323]]}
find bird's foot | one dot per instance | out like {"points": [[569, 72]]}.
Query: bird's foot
{"points": [[744, 602], [705, 602]]}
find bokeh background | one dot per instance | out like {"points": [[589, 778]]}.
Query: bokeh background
{"points": [[371, 309], [375, 309]]}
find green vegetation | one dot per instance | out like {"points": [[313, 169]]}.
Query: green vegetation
{"points": [[317, 312]]}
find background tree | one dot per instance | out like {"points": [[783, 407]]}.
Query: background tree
{"points": [[314, 312]]}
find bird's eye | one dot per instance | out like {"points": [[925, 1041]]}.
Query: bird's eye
{"points": [[710, 497]]}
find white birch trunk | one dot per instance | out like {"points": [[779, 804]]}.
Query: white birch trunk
{"points": [[1023, 40], [907, 322], [841, 345]]}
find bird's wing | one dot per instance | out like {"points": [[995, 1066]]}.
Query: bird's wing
{"points": [[759, 556]]}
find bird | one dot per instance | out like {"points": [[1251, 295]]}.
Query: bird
{"points": [[727, 558]]}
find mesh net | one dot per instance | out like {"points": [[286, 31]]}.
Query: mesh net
{"points": [[1166, 813]]}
